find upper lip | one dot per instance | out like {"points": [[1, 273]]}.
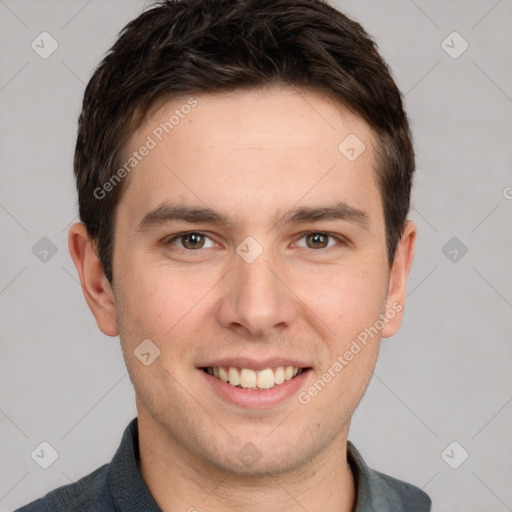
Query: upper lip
{"points": [[255, 364]]}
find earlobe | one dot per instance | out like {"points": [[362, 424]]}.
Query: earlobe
{"points": [[395, 301], [95, 286]]}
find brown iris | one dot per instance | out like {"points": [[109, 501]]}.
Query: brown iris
{"points": [[192, 240], [317, 240]]}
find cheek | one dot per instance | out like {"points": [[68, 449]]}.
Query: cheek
{"points": [[348, 299], [155, 305], [350, 303], [157, 299]]}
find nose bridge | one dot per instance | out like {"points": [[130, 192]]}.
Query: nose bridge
{"points": [[254, 296]]}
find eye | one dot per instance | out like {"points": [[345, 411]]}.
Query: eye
{"points": [[192, 240], [319, 240]]}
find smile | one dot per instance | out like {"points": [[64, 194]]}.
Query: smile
{"points": [[250, 379]]}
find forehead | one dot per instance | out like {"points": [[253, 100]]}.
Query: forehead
{"points": [[250, 152]]}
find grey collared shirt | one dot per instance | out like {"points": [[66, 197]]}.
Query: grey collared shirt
{"points": [[119, 487]]}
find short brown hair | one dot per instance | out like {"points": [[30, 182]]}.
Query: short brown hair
{"points": [[181, 47]]}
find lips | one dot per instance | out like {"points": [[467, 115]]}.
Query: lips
{"points": [[255, 397]]}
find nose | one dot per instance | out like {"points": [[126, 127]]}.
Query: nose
{"points": [[256, 298]]}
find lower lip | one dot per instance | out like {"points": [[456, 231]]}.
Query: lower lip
{"points": [[255, 398]]}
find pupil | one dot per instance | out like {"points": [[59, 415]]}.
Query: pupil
{"points": [[192, 240], [318, 239]]}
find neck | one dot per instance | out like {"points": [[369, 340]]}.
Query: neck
{"points": [[179, 481]]}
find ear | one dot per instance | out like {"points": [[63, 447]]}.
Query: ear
{"points": [[95, 286], [395, 300]]}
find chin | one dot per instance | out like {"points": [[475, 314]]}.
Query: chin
{"points": [[260, 468], [259, 457]]}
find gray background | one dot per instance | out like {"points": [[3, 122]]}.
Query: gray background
{"points": [[445, 377]]}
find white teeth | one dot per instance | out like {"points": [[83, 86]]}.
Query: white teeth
{"points": [[279, 375], [250, 379], [247, 378], [234, 376], [265, 379], [223, 374]]}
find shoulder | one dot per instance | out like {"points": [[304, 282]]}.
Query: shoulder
{"points": [[377, 491], [87, 494], [404, 494]]}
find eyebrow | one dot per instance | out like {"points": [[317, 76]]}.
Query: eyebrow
{"points": [[167, 212]]}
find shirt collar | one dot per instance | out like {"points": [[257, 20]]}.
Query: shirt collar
{"points": [[124, 480], [376, 491]]}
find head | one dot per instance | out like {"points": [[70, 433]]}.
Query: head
{"points": [[275, 132], [176, 50]]}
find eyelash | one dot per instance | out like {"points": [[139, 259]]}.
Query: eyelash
{"points": [[341, 240]]}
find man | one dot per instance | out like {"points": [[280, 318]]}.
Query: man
{"points": [[244, 171]]}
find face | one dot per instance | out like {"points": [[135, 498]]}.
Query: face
{"points": [[246, 242]]}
